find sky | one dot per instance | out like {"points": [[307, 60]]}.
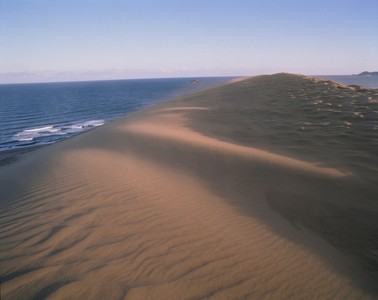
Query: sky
{"points": [[68, 40]]}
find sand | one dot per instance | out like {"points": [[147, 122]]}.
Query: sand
{"points": [[185, 200]]}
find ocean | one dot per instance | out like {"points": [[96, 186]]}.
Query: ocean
{"points": [[44, 113]]}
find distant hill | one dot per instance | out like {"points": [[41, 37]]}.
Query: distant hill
{"points": [[366, 73]]}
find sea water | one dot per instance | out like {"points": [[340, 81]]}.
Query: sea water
{"points": [[44, 113]]}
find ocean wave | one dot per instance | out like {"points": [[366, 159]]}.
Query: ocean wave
{"points": [[45, 132], [49, 128]]}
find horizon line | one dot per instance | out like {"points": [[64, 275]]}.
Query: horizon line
{"points": [[169, 77]]}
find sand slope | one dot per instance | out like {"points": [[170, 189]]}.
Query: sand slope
{"points": [[164, 205]]}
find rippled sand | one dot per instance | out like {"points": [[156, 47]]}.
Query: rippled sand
{"points": [[242, 191]]}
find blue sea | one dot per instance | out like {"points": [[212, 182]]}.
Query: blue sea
{"points": [[44, 113]]}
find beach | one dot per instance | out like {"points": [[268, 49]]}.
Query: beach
{"points": [[226, 193]]}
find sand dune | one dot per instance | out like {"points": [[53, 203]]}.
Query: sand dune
{"points": [[186, 200]]}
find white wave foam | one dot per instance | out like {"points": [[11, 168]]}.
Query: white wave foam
{"points": [[94, 123], [83, 126], [31, 134], [40, 129]]}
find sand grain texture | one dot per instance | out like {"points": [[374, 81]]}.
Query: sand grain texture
{"points": [[186, 200]]}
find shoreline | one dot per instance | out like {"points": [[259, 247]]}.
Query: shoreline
{"points": [[181, 200], [13, 154]]}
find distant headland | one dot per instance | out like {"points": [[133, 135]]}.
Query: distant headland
{"points": [[366, 73]]}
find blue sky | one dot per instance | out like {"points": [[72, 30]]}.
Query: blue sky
{"points": [[54, 40]]}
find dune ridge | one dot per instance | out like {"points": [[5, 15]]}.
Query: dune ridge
{"points": [[174, 203]]}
